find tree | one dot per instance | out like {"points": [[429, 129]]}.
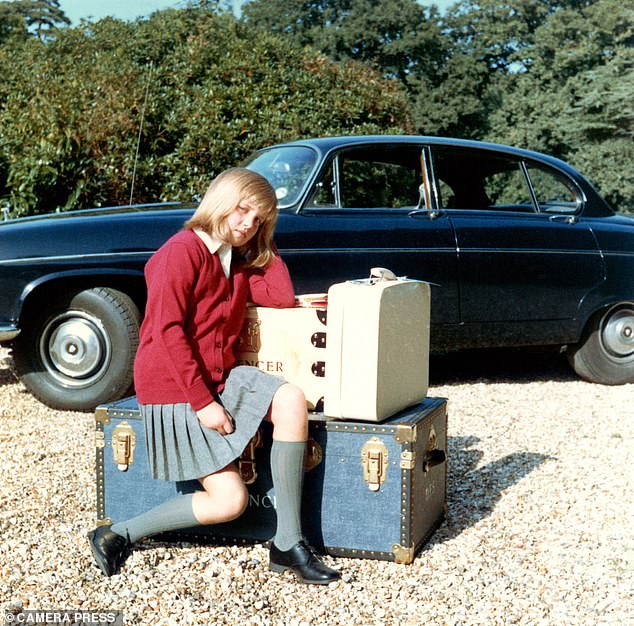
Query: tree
{"points": [[574, 99], [11, 22], [40, 16], [72, 107], [401, 38]]}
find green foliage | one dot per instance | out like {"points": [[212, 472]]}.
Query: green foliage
{"points": [[400, 37], [551, 75], [71, 109], [575, 98], [40, 17]]}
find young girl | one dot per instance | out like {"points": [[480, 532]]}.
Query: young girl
{"points": [[199, 410]]}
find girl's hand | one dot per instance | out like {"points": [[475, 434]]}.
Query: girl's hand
{"points": [[215, 417]]}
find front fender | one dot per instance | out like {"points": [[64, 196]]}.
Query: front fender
{"points": [[38, 291]]}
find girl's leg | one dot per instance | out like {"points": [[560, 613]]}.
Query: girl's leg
{"points": [[290, 431], [289, 550], [224, 498]]}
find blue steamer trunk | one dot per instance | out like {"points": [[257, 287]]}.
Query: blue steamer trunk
{"points": [[371, 490]]}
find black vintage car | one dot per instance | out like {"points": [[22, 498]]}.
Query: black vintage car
{"points": [[521, 250]]}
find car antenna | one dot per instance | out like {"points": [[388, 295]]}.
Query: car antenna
{"points": [[138, 142]]}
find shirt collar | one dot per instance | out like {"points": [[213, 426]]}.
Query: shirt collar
{"points": [[214, 246]]}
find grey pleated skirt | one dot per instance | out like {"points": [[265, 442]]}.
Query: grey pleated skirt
{"points": [[181, 448]]}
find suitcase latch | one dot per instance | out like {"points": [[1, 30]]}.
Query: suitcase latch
{"points": [[246, 462], [374, 459], [123, 444]]}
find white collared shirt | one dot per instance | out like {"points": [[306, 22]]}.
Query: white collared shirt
{"points": [[214, 245]]}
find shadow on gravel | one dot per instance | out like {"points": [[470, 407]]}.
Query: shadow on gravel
{"points": [[499, 366], [7, 373], [473, 493]]}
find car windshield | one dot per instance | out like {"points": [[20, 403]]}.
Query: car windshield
{"points": [[286, 168]]}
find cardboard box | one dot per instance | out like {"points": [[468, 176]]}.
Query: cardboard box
{"points": [[290, 343]]}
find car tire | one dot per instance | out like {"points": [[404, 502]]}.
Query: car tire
{"points": [[78, 352], [605, 353]]}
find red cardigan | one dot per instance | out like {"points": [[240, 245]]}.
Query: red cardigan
{"points": [[193, 317]]}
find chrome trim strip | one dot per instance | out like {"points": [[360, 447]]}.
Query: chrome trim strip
{"points": [[528, 251], [78, 257], [74, 257], [285, 251], [618, 253], [7, 334], [451, 250]]}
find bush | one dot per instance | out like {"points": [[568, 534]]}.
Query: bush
{"points": [[71, 109]]}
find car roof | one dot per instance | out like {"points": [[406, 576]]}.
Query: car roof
{"points": [[325, 145]]}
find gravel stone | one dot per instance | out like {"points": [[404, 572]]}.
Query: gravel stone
{"points": [[539, 530]]}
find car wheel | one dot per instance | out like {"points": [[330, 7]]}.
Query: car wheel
{"points": [[606, 352], [79, 351]]}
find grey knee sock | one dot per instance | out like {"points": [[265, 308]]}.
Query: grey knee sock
{"points": [[287, 469], [174, 514]]}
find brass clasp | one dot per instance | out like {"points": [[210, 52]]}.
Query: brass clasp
{"points": [[246, 462], [314, 454], [123, 444], [374, 459]]}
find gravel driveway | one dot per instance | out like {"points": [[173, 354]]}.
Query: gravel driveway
{"points": [[540, 528]]}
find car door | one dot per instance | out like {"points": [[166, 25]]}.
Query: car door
{"points": [[525, 253], [364, 211]]}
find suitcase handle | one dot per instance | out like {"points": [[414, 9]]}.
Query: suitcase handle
{"points": [[433, 458], [382, 273]]}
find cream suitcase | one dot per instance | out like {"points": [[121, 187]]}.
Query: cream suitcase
{"points": [[377, 351], [290, 343]]}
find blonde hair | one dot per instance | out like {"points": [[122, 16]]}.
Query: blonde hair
{"points": [[224, 194]]}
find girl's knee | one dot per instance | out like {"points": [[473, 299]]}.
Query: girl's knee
{"points": [[221, 501], [290, 399], [288, 414], [238, 503]]}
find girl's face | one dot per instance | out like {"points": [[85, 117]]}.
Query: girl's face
{"points": [[243, 223]]}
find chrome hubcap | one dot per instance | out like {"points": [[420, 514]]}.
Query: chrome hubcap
{"points": [[75, 348], [617, 333]]}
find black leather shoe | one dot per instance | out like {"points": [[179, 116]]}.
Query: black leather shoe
{"points": [[304, 562], [108, 548]]}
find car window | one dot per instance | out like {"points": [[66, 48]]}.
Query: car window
{"points": [[287, 168], [507, 189], [371, 179], [480, 179], [375, 184], [554, 193], [325, 193]]}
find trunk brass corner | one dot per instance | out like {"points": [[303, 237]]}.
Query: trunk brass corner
{"points": [[102, 416], [405, 434], [403, 554]]}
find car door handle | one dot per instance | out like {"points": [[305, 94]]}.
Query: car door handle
{"points": [[566, 219], [432, 214]]}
